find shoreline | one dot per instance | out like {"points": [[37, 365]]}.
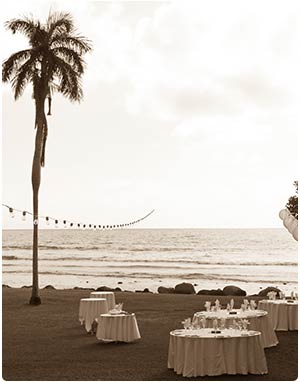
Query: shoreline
{"points": [[184, 288]]}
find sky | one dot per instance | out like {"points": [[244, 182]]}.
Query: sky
{"points": [[190, 108]]}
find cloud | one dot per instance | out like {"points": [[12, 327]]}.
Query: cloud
{"points": [[199, 58]]}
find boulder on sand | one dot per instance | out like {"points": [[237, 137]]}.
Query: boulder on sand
{"points": [[185, 288], [232, 290], [105, 289], [211, 292], [162, 289], [264, 292], [146, 290]]}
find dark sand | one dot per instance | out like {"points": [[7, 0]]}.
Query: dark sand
{"points": [[46, 342]]}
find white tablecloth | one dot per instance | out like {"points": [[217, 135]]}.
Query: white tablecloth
{"points": [[118, 327], [259, 320], [283, 314], [195, 353], [91, 308], [110, 297]]}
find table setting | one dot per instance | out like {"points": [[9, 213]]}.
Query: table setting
{"points": [[258, 320], [117, 326], [216, 351], [283, 311]]}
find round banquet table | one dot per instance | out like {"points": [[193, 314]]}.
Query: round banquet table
{"points": [[283, 313], [109, 296], [91, 308], [194, 353], [117, 327], [259, 320]]}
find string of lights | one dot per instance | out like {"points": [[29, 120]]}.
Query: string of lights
{"points": [[70, 223]]}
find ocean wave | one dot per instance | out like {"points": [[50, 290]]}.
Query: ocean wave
{"points": [[7, 257], [99, 247], [109, 259], [191, 276], [54, 247]]}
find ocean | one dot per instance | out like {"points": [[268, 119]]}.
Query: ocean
{"points": [[134, 259]]}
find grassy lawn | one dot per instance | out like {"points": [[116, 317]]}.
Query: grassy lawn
{"points": [[46, 342]]}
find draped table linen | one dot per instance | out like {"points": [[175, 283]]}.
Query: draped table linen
{"points": [[109, 296], [259, 320], [118, 327], [91, 308], [283, 314], [194, 353]]}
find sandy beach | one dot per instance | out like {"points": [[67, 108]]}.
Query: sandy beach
{"points": [[46, 342]]}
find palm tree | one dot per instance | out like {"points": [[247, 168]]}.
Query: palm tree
{"points": [[53, 62]]}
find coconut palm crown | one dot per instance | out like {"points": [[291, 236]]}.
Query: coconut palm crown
{"points": [[53, 62]]}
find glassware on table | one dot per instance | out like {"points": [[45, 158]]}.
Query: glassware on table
{"points": [[234, 324], [187, 323], [282, 296], [272, 295], [228, 307], [252, 304], [222, 323], [215, 324], [245, 324], [196, 325], [207, 305], [231, 303], [239, 325], [203, 322]]}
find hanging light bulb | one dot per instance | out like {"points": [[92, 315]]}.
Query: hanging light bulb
{"points": [[56, 223], [84, 226], [78, 225], [95, 227], [65, 223], [11, 211], [90, 226], [47, 220], [99, 226], [24, 216], [71, 224]]}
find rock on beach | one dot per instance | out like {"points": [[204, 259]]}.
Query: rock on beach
{"points": [[185, 288], [232, 290]]}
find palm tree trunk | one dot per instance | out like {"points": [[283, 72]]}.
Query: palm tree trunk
{"points": [[36, 180]]}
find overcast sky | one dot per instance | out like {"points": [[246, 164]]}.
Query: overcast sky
{"points": [[189, 108]]}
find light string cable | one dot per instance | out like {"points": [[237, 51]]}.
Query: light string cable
{"points": [[71, 223]]}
